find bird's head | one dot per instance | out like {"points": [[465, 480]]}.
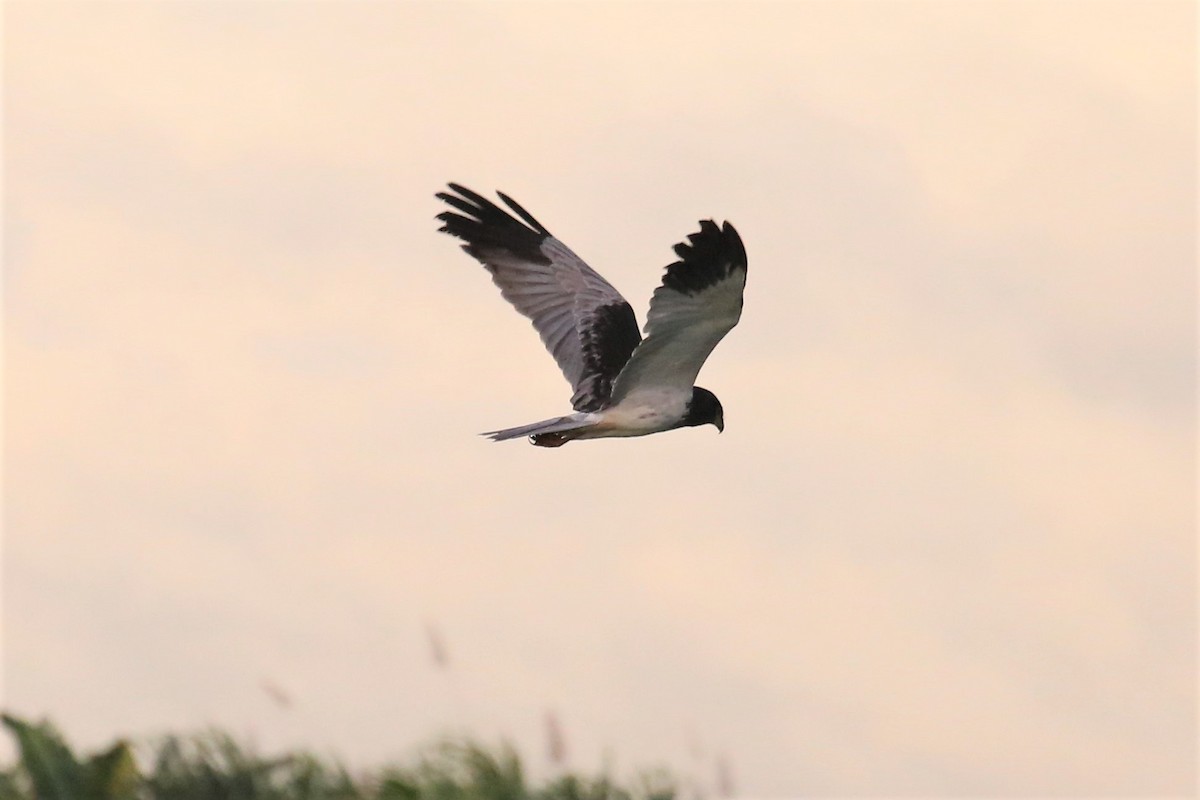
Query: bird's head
{"points": [[704, 409]]}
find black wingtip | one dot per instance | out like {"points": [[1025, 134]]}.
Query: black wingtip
{"points": [[708, 256], [523, 214], [487, 228]]}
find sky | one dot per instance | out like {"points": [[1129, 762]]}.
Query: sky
{"points": [[944, 547]]}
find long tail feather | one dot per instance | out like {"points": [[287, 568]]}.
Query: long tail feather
{"points": [[571, 422]]}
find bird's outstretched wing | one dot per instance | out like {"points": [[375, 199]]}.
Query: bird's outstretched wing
{"points": [[584, 322], [700, 301]]}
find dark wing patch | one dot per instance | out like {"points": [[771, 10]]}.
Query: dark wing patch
{"points": [[489, 229], [713, 253], [610, 336]]}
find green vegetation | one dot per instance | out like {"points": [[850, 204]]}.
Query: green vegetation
{"points": [[212, 766]]}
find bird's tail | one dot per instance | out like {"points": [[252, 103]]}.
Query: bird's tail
{"points": [[557, 427]]}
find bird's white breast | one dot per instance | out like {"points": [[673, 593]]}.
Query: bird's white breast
{"points": [[648, 410]]}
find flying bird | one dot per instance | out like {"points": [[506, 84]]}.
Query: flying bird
{"points": [[624, 385]]}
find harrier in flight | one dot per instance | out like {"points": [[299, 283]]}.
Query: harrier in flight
{"points": [[624, 385]]}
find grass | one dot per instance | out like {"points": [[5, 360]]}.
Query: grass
{"points": [[214, 766]]}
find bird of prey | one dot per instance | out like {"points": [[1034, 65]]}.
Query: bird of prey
{"points": [[624, 385]]}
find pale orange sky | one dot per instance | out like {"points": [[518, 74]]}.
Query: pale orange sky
{"points": [[945, 546]]}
